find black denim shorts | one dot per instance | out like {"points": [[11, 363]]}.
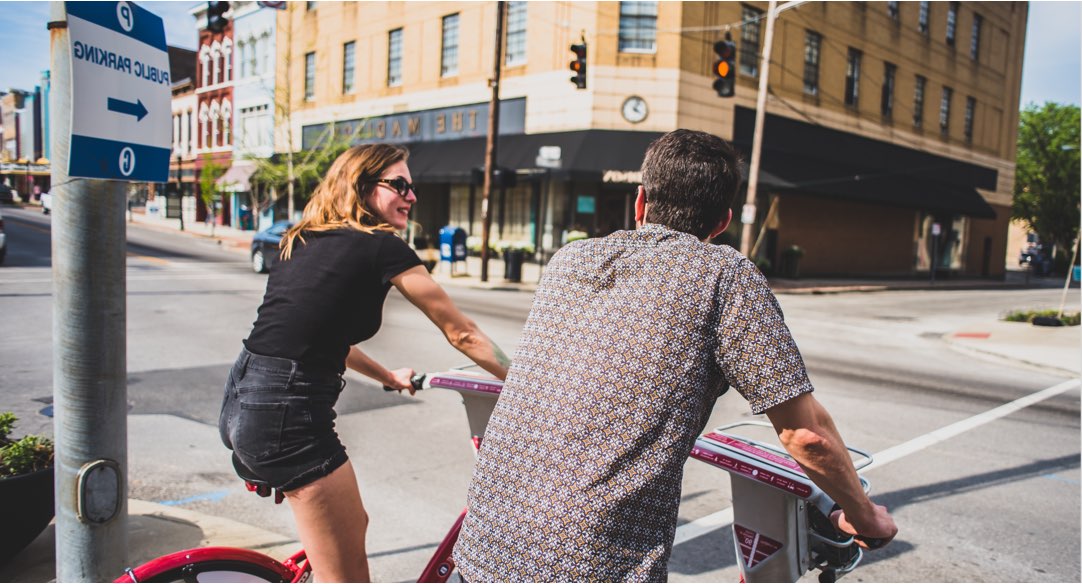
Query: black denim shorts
{"points": [[279, 421]]}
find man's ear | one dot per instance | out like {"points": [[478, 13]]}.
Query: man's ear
{"points": [[722, 225], [640, 206]]}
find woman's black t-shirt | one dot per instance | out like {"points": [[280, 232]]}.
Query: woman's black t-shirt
{"points": [[328, 296]]}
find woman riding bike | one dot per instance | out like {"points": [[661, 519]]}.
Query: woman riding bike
{"points": [[325, 296]]}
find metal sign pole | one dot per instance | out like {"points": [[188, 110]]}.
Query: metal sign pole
{"points": [[89, 360]]}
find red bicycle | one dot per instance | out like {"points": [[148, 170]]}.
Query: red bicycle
{"points": [[780, 526], [224, 564]]}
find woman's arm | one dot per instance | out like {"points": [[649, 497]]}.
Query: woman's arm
{"points": [[419, 288], [398, 379]]}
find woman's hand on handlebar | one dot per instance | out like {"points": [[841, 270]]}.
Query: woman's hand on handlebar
{"points": [[877, 532], [401, 380]]}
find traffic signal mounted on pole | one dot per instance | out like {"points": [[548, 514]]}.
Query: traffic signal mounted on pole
{"points": [[725, 68], [216, 20], [579, 65]]}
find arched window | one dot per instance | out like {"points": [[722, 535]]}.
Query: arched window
{"points": [[227, 120], [182, 141], [204, 60], [242, 52], [215, 115], [216, 60], [227, 59], [204, 125]]}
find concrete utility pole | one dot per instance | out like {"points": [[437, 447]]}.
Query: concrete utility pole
{"points": [[492, 142], [89, 358], [747, 215]]}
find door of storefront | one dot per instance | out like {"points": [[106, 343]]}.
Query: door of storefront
{"points": [[615, 210]]}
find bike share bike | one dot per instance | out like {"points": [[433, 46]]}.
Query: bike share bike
{"points": [[781, 526]]}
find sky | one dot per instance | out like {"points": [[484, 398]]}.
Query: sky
{"points": [[1051, 70]]}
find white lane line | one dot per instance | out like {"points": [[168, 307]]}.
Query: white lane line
{"points": [[724, 518]]}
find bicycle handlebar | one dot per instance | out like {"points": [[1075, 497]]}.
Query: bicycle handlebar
{"points": [[417, 381]]}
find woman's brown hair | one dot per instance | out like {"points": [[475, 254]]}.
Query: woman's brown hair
{"points": [[339, 200]]}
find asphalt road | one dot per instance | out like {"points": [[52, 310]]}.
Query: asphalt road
{"points": [[998, 502]]}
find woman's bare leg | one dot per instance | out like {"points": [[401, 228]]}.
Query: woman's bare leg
{"points": [[332, 523]]}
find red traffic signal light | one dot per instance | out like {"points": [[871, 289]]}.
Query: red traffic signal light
{"points": [[724, 68], [579, 65]]}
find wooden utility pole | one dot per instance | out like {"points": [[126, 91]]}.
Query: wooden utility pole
{"points": [[747, 215], [491, 143]]}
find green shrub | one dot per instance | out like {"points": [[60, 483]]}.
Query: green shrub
{"points": [[1068, 318], [28, 454], [576, 235]]}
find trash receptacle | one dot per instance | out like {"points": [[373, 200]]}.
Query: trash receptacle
{"points": [[512, 264]]}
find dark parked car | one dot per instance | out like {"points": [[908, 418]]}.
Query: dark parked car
{"points": [[7, 194], [3, 241], [265, 246]]}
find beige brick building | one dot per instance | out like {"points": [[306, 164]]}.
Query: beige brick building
{"points": [[888, 122]]}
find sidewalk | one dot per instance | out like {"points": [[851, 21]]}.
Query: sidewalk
{"points": [[226, 237]]}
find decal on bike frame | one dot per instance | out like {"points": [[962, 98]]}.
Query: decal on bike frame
{"points": [[755, 548]]}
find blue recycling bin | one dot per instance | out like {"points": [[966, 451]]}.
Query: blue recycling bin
{"points": [[452, 244]]}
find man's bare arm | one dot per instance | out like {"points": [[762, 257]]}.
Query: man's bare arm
{"points": [[807, 432]]}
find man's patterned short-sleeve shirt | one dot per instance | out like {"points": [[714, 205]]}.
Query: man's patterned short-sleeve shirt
{"points": [[631, 339]]}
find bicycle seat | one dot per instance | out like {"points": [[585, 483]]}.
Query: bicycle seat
{"points": [[255, 484]]}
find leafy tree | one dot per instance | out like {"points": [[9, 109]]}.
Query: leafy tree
{"points": [[1046, 185], [309, 166], [208, 187]]}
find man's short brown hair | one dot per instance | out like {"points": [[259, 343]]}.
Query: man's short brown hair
{"points": [[690, 179]]}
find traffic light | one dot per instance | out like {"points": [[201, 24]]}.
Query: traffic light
{"points": [[579, 65], [216, 20], [725, 69]]}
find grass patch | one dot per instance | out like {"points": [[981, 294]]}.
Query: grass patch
{"points": [[1068, 319]]}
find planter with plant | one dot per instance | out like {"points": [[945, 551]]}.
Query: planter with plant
{"points": [[26, 487]]}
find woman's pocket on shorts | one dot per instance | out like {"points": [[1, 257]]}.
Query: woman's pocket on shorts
{"points": [[257, 429]]}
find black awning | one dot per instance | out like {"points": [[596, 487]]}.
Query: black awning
{"points": [[801, 157], [585, 155]]}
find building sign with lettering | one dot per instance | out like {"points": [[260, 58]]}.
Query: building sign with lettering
{"points": [[621, 176], [449, 123]]}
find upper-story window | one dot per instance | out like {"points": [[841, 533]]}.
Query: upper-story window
{"points": [[971, 106], [886, 106], [254, 46], [204, 62], [215, 63], [922, 18], [749, 41], [918, 102], [975, 38], [516, 33], [310, 76], [638, 27], [945, 111], [812, 43], [310, 6], [852, 78], [242, 58], [347, 66], [227, 60], [394, 58], [449, 56], [952, 22], [892, 11]]}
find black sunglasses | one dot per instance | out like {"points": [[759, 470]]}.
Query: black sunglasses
{"points": [[399, 184]]}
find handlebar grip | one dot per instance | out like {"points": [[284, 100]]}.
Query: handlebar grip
{"points": [[417, 381]]}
